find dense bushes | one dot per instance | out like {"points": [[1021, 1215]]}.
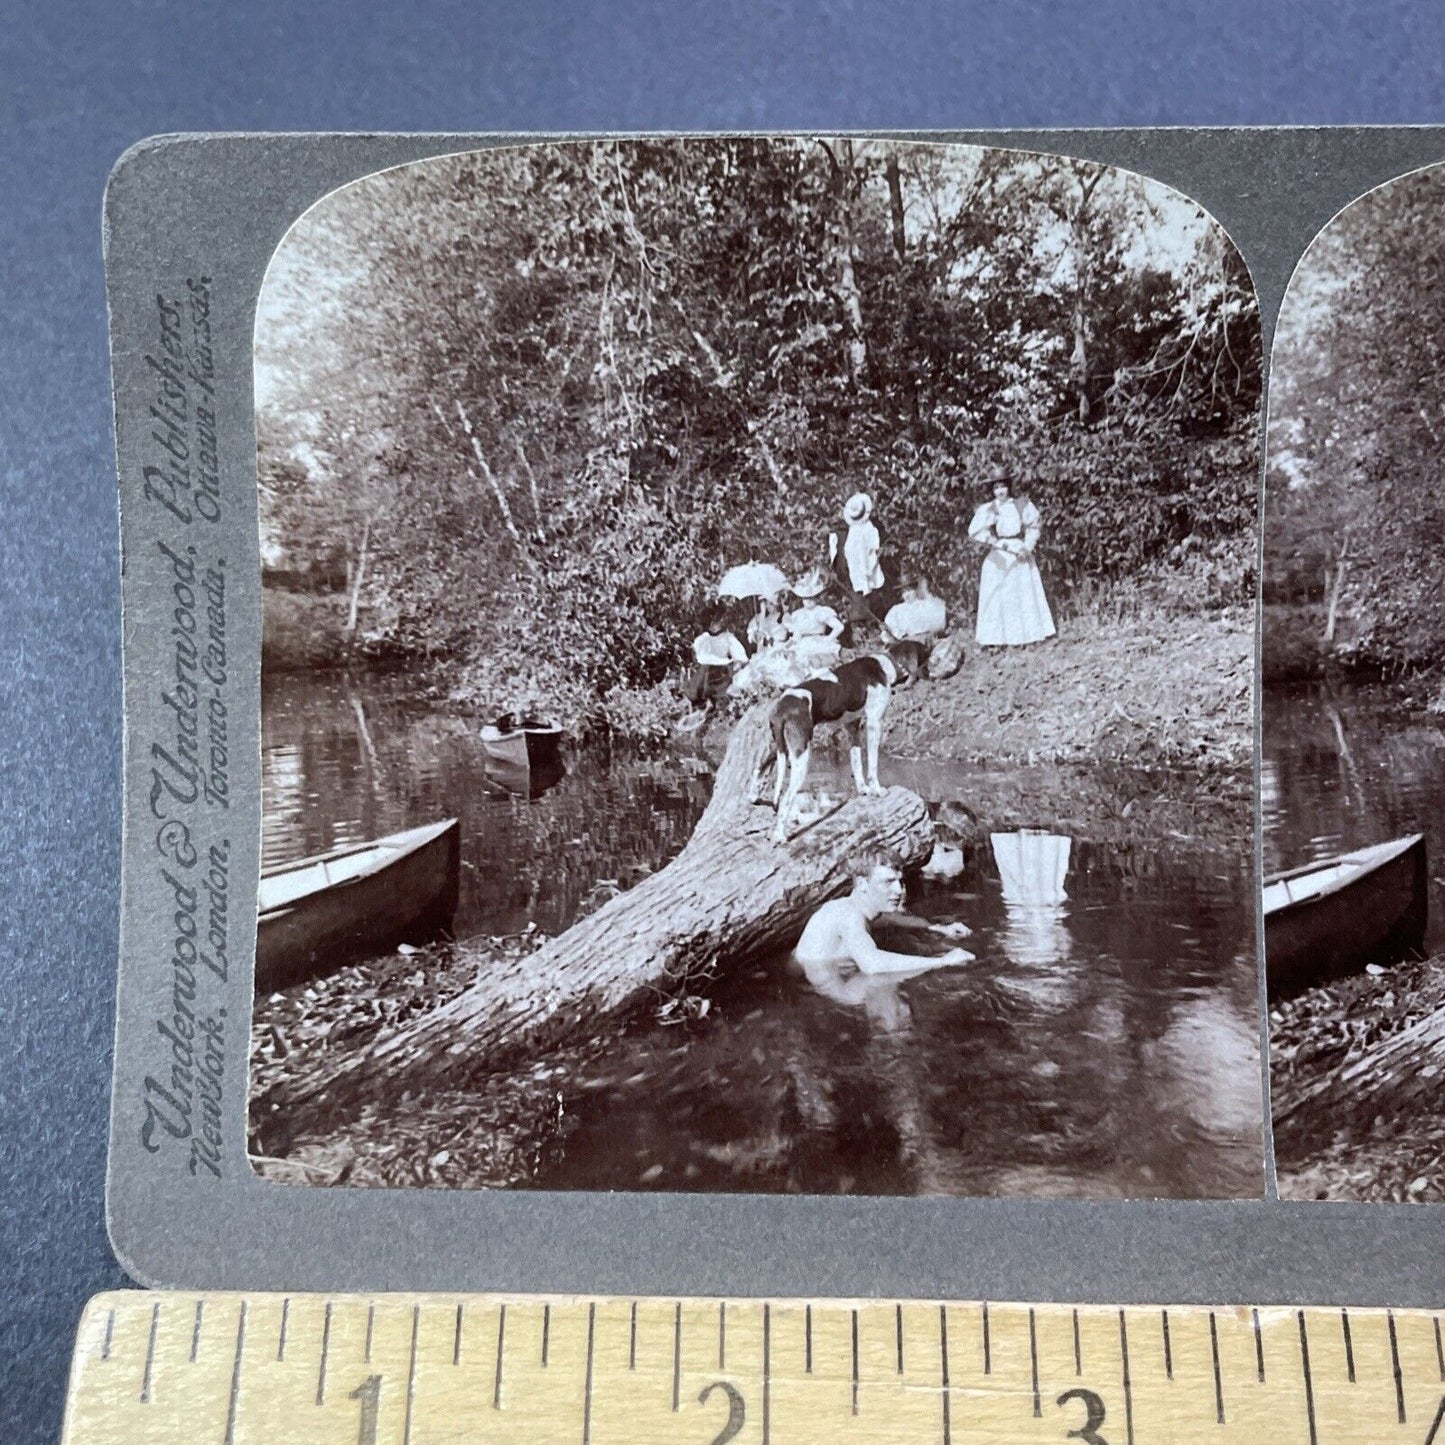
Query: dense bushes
{"points": [[553, 392]]}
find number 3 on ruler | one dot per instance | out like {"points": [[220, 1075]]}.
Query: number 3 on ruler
{"points": [[369, 1393], [1088, 1432]]}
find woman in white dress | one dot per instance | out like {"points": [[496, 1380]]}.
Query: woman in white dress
{"points": [[813, 627], [1012, 608]]}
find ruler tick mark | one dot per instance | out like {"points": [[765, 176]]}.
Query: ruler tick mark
{"points": [[236, 1378], [546, 1332], [145, 1384], [1349, 1345], [587, 1387], [898, 1330], [987, 1352], [943, 1372], [325, 1347], [281, 1337], [855, 1361], [722, 1334], [1258, 1347], [1218, 1382], [807, 1339], [457, 1339], [767, 1368], [676, 1354], [1034, 1364], [109, 1335], [411, 1376], [196, 1330], [632, 1340], [501, 1337], [1395, 1365], [1435, 1427], [1168, 1350], [1078, 1353], [370, 1327], [1128, 1384], [1304, 1354]]}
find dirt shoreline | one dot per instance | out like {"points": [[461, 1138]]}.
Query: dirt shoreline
{"points": [[1159, 691], [1167, 692], [1400, 1156]]}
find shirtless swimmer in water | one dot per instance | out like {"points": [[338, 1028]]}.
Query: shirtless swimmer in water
{"points": [[840, 931]]}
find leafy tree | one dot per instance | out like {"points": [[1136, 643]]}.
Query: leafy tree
{"points": [[1356, 504], [557, 389]]}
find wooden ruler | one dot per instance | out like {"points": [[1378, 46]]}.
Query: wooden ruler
{"points": [[230, 1369]]}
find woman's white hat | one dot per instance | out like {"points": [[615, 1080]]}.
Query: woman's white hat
{"points": [[811, 584], [858, 507]]}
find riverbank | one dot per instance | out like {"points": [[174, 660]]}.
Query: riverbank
{"points": [[491, 1135], [302, 631], [1293, 651], [1153, 691], [1395, 1155]]}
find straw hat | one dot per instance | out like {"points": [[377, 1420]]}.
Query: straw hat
{"points": [[858, 508], [811, 584]]}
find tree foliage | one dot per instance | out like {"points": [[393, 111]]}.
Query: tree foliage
{"points": [[1357, 422], [568, 385]]}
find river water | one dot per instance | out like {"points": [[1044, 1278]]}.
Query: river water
{"points": [[1345, 767], [1104, 1044]]}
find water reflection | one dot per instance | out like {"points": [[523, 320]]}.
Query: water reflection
{"points": [[1032, 869], [1344, 768], [1103, 1043]]}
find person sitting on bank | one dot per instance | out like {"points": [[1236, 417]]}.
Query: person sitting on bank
{"points": [[766, 628], [718, 654], [813, 627], [840, 933], [920, 617]]}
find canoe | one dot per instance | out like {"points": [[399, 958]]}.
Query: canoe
{"points": [[1329, 919], [317, 914], [529, 743]]}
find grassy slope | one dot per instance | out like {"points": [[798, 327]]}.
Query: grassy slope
{"points": [[1170, 692]]}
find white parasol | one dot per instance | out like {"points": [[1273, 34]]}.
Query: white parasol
{"points": [[753, 579]]}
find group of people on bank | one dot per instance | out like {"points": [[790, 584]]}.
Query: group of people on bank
{"points": [[866, 602]]}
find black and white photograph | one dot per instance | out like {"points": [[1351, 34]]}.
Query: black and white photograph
{"points": [[1353, 770], [758, 674]]}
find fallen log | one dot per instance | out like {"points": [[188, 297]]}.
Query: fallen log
{"points": [[731, 894], [1402, 1076]]}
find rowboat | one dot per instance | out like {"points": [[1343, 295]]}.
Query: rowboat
{"points": [[1329, 919], [530, 743], [317, 914], [523, 780]]}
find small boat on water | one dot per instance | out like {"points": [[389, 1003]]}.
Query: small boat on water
{"points": [[317, 914], [531, 742], [1329, 919]]}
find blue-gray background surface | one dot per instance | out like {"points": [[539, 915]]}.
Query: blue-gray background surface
{"points": [[78, 83]]}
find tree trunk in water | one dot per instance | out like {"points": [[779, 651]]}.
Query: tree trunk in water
{"points": [[1400, 1076], [358, 576], [731, 893]]}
